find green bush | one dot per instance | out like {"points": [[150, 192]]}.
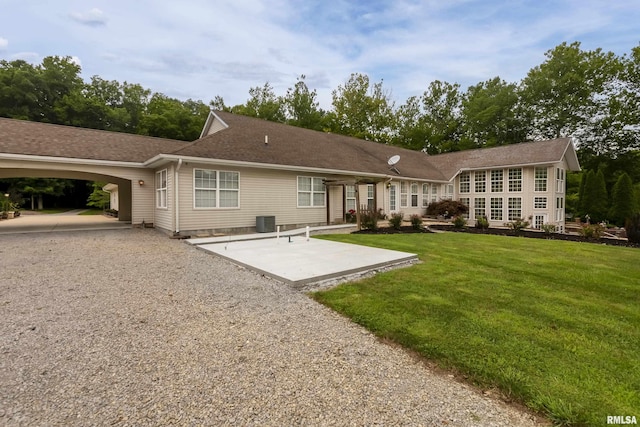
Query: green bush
{"points": [[517, 225], [482, 222], [632, 227], [396, 220], [369, 220], [591, 231], [416, 222], [459, 222], [548, 228]]}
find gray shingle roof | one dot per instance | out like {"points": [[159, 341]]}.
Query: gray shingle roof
{"points": [[42, 139]]}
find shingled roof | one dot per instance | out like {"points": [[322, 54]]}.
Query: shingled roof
{"points": [[42, 139], [244, 140], [525, 153]]}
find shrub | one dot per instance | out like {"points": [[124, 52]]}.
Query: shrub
{"points": [[591, 231], [447, 208], [396, 220], [459, 222], [632, 227], [482, 222], [517, 225], [369, 220], [351, 216], [416, 222], [548, 228]]}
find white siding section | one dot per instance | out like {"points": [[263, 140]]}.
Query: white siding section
{"points": [[164, 217]]}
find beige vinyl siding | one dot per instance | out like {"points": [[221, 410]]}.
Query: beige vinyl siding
{"points": [[164, 216], [336, 203], [216, 126], [262, 192]]}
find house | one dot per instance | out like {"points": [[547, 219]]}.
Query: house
{"points": [[242, 168]]}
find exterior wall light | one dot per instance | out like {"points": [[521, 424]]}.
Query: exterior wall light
{"points": [[141, 182]]}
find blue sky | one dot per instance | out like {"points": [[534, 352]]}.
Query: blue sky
{"points": [[202, 48]]}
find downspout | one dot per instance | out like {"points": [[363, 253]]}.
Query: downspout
{"points": [[176, 201]]}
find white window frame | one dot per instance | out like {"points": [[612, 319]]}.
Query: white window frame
{"points": [[480, 207], [218, 189], [465, 182], [515, 180], [540, 179], [559, 180], [350, 197], [434, 192], [496, 209], [539, 203], [414, 194], [404, 194], [497, 181], [559, 208], [466, 201], [371, 196], [393, 198], [161, 188], [312, 192], [480, 181], [514, 208], [425, 195]]}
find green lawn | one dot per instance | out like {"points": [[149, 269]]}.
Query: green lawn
{"points": [[553, 324]]}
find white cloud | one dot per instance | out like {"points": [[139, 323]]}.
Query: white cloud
{"points": [[4, 43], [93, 18]]}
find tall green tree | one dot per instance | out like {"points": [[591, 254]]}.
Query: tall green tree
{"points": [[264, 104], [302, 106], [623, 201], [171, 118], [595, 199], [362, 110], [490, 115], [432, 122], [19, 83]]}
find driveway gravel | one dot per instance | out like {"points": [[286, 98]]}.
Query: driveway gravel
{"points": [[131, 328]]}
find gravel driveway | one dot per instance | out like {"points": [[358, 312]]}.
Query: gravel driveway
{"points": [[129, 327]]}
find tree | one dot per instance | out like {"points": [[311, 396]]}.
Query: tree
{"points": [[19, 81], [36, 188], [263, 104], [622, 200], [431, 122], [303, 110], [489, 115], [362, 110], [595, 199], [98, 198], [171, 118]]}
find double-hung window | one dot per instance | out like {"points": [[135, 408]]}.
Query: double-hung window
{"points": [[480, 178], [371, 196], [465, 182], [404, 195], [434, 192], [559, 180], [515, 179], [414, 194], [480, 205], [496, 181], [351, 197], [540, 179], [161, 189], [540, 203], [515, 208], [425, 194], [216, 189], [311, 191], [496, 208], [465, 201]]}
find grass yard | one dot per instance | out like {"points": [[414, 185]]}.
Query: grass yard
{"points": [[552, 324]]}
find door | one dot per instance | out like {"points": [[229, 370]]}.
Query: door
{"points": [[393, 198]]}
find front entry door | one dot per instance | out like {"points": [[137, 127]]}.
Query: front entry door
{"points": [[393, 198]]}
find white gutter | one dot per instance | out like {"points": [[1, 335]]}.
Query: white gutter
{"points": [[176, 202]]}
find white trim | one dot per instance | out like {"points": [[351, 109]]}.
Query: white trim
{"points": [[72, 160], [207, 125], [311, 193], [217, 207]]}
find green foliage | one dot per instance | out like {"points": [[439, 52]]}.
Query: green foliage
{"points": [[517, 225], [447, 208], [416, 222], [264, 104], [623, 201], [369, 219], [591, 231], [303, 109], [459, 222], [396, 220], [595, 200], [528, 316], [98, 198], [632, 227], [548, 228], [482, 223]]}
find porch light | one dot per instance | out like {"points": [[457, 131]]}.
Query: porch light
{"points": [[141, 182]]}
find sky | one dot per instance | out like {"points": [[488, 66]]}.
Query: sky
{"points": [[200, 49]]}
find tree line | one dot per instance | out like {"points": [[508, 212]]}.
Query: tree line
{"points": [[589, 94]]}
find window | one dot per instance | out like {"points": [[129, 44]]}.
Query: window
{"points": [[496, 208], [480, 181], [539, 221], [425, 194], [540, 203], [434, 192], [350, 197], [465, 182], [393, 198], [559, 208], [161, 189], [404, 197], [515, 208], [311, 191], [540, 177], [515, 179], [496, 181], [449, 193], [371, 196], [216, 189], [559, 180], [414, 194], [465, 201], [480, 207]]}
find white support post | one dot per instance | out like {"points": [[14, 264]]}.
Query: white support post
{"points": [[307, 233]]}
